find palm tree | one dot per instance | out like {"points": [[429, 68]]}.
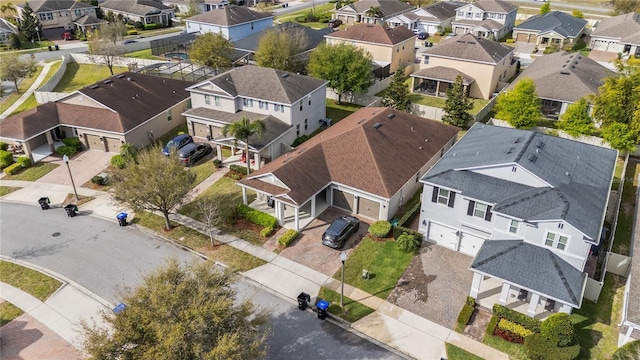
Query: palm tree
{"points": [[129, 152], [242, 130]]}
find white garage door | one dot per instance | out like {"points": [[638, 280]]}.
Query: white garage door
{"points": [[442, 235], [112, 144], [470, 244], [343, 200], [599, 45], [369, 208], [200, 130]]}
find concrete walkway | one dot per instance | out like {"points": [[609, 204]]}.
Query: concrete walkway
{"points": [[36, 84], [400, 329]]}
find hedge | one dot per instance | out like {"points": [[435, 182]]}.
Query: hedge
{"points": [[266, 231], [73, 142], [132, 32], [300, 140], [24, 161], [471, 301], [493, 324], [288, 237], [627, 351], [411, 214], [152, 26], [118, 161], [12, 169], [516, 317], [464, 316], [538, 347], [66, 150], [238, 168], [514, 328], [257, 217], [6, 159], [380, 228], [558, 329], [4, 146]]}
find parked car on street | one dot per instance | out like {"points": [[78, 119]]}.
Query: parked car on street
{"points": [[193, 152], [339, 231], [177, 143], [423, 35], [334, 23]]}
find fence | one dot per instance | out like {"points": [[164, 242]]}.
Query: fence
{"points": [[436, 113]]}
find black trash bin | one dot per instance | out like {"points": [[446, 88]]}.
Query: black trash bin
{"points": [[303, 300], [49, 47], [322, 307], [71, 210], [122, 218], [44, 203], [57, 47]]}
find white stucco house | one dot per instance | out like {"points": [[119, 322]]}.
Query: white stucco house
{"points": [[233, 22], [492, 19]]}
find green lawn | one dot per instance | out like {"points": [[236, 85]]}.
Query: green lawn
{"points": [[52, 71], [4, 190], [384, 261], [80, 75], [203, 170], [224, 190], [23, 86], [515, 351], [30, 281], [617, 175], [456, 353], [33, 172], [352, 311], [28, 103], [319, 9], [143, 54], [337, 112], [235, 259], [8, 312]]}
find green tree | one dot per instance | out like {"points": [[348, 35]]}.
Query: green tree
{"points": [[625, 6], [99, 13], [375, 13], [13, 68], [29, 23], [545, 8], [14, 41], [129, 152], [347, 68], [457, 105], [112, 32], [576, 120], [577, 13], [103, 44], [281, 49], [558, 329], [620, 137], [241, 131], [397, 94], [212, 50], [520, 107], [155, 183], [628, 351], [180, 312], [193, 9], [407, 242]]}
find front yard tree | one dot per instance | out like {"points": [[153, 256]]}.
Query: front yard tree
{"points": [[212, 50], [280, 50], [347, 68], [241, 131], [103, 45], [545, 8], [397, 94], [12, 68], [520, 107], [620, 137], [457, 105], [29, 23], [576, 120], [180, 312], [155, 183], [113, 32]]}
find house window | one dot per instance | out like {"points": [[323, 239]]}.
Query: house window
{"points": [[560, 225], [442, 196], [306, 121], [500, 16], [297, 130], [469, 15], [513, 226], [478, 15], [169, 115], [309, 102], [78, 12], [556, 240], [491, 16], [482, 211], [261, 104], [251, 26], [216, 101], [207, 99], [248, 102], [426, 59], [460, 13], [46, 16], [300, 105]]}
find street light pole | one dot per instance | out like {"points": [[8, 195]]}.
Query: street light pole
{"points": [[343, 258], [38, 32], [65, 158]]}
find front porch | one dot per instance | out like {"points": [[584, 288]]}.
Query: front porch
{"points": [[289, 216]]}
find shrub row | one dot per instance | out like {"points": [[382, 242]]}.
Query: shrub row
{"points": [[6, 159], [380, 228], [300, 140], [13, 168], [118, 161], [66, 150], [266, 231], [257, 217], [464, 316], [4, 146], [24, 161], [516, 317], [514, 328], [538, 347], [238, 168], [152, 26], [72, 142], [493, 324], [411, 214], [288, 237]]}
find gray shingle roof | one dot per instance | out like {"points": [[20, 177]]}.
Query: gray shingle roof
{"points": [[532, 267], [387, 7], [250, 43], [56, 5], [488, 24], [443, 73], [564, 76], [443, 10], [560, 22], [138, 7], [478, 186], [264, 83], [89, 20], [229, 16], [580, 173], [495, 6], [625, 27], [472, 48]]}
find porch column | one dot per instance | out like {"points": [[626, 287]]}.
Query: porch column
{"points": [[297, 218], [627, 335], [533, 304], [256, 159], [504, 293], [438, 88], [219, 152], [313, 207], [52, 146], [475, 285], [565, 309], [244, 196], [280, 213]]}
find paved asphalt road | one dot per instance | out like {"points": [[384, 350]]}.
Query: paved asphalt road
{"points": [[102, 256]]}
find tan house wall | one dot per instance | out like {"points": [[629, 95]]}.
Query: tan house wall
{"points": [[158, 124], [401, 53], [83, 100]]}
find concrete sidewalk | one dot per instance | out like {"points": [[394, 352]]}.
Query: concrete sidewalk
{"points": [[36, 84]]}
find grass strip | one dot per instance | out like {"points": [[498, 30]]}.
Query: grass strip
{"points": [[352, 310], [33, 172], [33, 282], [8, 312]]}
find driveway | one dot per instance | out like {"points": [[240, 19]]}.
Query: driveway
{"points": [[435, 285], [309, 251], [84, 166]]}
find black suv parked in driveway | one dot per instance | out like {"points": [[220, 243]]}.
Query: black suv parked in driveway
{"points": [[193, 152], [339, 231]]}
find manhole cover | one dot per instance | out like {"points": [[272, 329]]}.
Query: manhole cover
{"points": [[55, 234]]}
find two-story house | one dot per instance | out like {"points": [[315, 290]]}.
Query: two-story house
{"points": [[6, 29], [432, 18], [144, 11], [491, 19], [527, 206], [233, 22], [485, 67], [290, 105], [389, 47], [58, 15], [618, 34], [371, 11], [554, 28]]}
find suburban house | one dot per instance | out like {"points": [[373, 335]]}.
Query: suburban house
{"points": [[389, 47], [183, 6], [127, 108], [433, 18], [6, 29], [618, 34], [144, 11], [631, 301], [371, 11], [554, 28], [88, 23], [485, 67], [527, 206], [563, 78], [369, 164], [234, 22], [290, 105], [57, 15], [491, 19]]}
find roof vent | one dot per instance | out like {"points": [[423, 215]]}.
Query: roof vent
{"points": [[377, 125], [539, 144], [532, 158], [567, 173], [285, 75], [510, 150], [518, 140], [391, 116], [93, 87], [564, 73], [128, 79], [109, 81], [120, 76], [420, 147]]}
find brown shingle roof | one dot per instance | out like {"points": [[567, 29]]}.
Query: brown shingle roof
{"points": [[229, 16], [470, 47], [374, 33], [495, 6], [375, 159], [30, 122]]}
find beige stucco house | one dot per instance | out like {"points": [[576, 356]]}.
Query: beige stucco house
{"points": [[371, 11], [55, 14], [554, 28]]}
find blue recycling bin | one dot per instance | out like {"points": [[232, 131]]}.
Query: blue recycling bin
{"points": [[119, 308], [122, 218], [322, 306]]}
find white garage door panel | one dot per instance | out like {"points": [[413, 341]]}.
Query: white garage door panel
{"points": [[343, 200], [200, 130], [470, 244], [112, 144], [369, 208], [442, 235]]}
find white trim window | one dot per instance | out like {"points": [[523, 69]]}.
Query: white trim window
{"points": [[479, 210], [216, 101], [443, 196], [207, 99], [46, 16], [556, 241], [248, 102], [513, 226]]}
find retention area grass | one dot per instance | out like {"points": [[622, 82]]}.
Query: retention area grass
{"points": [[8, 312], [624, 228], [33, 172], [352, 310], [384, 261], [23, 86], [456, 353], [30, 281], [4, 190], [235, 259], [80, 75]]}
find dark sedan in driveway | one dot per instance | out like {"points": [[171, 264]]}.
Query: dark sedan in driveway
{"points": [[339, 231]]}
